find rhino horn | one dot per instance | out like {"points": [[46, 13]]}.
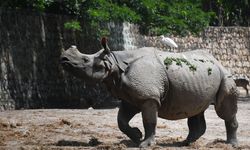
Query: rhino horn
{"points": [[104, 43], [73, 46]]}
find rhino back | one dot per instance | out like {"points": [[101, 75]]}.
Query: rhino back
{"points": [[131, 56]]}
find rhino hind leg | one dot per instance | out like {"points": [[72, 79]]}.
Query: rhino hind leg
{"points": [[226, 108], [231, 122], [125, 114], [197, 127], [231, 128]]}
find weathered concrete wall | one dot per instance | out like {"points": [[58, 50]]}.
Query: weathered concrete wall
{"points": [[31, 43], [30, 73]]}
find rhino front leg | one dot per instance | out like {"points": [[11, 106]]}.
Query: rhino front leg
{"points": [[125, 114], [149, 116]]}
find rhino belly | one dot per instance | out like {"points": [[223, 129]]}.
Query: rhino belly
{"points": [[190, 91]]}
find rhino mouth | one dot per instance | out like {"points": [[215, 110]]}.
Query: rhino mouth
{"points": [[67, 63]]}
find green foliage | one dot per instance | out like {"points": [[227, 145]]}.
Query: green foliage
{"points": [[192, 68], [181, 17], [103, 33], [209, 71], [169, 17], [168, 61], [155, 17], [73, 25], [228, 12], [178, 61], [98, 12], [102, 10], [40, 4]]}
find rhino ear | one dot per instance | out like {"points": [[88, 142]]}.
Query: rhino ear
{"points": [[104, 43]]}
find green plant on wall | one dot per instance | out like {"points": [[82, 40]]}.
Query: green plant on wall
{"points": [[73, 25]]}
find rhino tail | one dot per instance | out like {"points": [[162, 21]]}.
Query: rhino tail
{"points": [[226, 101]]}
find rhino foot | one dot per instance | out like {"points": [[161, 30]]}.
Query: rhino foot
{"points": [[136, 135], [148, 142], [233, 142]]}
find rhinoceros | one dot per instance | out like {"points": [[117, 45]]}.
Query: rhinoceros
{"points": [[160, 84]]}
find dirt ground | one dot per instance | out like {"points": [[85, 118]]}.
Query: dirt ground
{"points": [[97, 129]]}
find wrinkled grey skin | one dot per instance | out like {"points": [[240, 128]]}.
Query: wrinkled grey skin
{"points": [[145, 84]]}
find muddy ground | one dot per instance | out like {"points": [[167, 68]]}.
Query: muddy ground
{"points": [[97, 129]]}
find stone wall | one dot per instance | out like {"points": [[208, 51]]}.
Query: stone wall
{"points": [[31, 44], [230, 45]]}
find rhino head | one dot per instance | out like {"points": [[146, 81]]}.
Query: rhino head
{"points": [[91, 68]]}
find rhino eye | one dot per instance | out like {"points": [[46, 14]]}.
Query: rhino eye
{"points": [[85, 59]]}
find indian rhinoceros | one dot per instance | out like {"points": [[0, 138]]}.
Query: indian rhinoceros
{"points": [[160, 84]]}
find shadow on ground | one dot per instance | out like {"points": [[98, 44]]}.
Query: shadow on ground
{"points": [[92, 142]]}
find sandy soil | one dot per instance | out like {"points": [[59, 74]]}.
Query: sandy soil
{"points": [[97, 129]]}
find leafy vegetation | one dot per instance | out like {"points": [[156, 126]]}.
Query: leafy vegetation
{"points": [[169, 61], [209, 71], [73, 25], [228, 12], [154, 17]]}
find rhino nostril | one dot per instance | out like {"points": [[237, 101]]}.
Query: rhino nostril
{"points": [[63, 59]]}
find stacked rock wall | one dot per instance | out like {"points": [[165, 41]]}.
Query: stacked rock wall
{"points": [[230, 45]]}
